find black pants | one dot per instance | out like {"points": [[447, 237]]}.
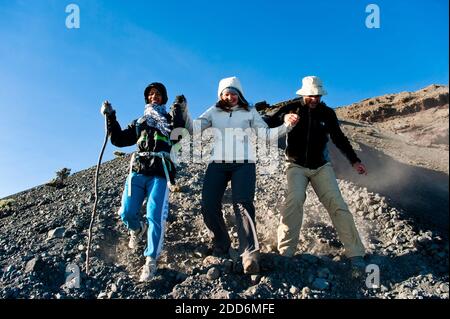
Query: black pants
{"points": [[243, 180]]}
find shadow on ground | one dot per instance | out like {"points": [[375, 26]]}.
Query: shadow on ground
{"points": [[421, 192]]}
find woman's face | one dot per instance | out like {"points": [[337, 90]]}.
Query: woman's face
{"points": [[154, 97], [230, 97]]}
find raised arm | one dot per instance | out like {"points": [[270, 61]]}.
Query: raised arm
{"points": [[119, 137]]}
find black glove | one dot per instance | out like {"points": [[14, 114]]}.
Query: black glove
{"points": [[261, 105], [181, 101]]}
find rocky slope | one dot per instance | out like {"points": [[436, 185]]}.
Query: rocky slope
{"points": [[404, 142], [412, 127], [44, 230]]}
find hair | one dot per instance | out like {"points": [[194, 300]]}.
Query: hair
{"points": [[161, 89], [225, 106]]}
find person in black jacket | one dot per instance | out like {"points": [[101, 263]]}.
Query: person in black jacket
{"points": [[152, 172], [308, 162]]}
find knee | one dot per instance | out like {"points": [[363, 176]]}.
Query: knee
{"points": [[295, 199], [208, 206], [336, 205], [128, 211]]}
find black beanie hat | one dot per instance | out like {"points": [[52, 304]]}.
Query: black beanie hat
{"points": [[161, 89]]}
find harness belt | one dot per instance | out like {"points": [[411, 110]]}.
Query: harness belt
{"points": [[164, 156]]}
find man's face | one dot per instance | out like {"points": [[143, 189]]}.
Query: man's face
{"points": [[154, 97], [230, 97], [312, 100]]}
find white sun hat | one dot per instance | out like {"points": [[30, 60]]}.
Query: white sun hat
{"points": [[311, 85]]}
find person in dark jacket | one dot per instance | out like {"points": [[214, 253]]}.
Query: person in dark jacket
{"points": [[152, 172], [308, 162]]}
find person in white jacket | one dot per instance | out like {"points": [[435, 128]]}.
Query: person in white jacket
{"points": [[233, 159]]}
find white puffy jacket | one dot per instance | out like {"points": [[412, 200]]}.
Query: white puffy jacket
{"points": [[235, 133]]}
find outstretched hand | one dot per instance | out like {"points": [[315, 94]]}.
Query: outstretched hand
{"points": [[291, 119], [360, 168]]}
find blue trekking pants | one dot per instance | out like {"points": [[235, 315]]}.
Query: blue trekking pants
{"points": [[154, 188]]}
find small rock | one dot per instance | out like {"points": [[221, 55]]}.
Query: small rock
{"points": [[56, 233], [228, 266], [306, 291], [255, 279], [210, 261], [293, 290], [198, 254], [102, 295], [213, 273], [46, 295], [31, 265]]}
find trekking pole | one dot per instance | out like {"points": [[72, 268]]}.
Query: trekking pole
{"points": [[94, 210]]}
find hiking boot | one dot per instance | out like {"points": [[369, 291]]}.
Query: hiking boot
{"points": [[136, 236], [148, 270], [358, 266], [250, 263]]}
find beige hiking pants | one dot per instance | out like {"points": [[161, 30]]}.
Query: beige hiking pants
{"points": [[323, 181]]}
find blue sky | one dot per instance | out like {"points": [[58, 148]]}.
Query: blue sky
{"points": [[53, 79]]}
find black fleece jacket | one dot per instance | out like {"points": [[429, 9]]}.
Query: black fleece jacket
{"points": [[307, 141], [148, 139]]}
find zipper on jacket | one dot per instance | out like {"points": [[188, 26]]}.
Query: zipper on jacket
{"points": [[231, 113], [307, 136]]}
